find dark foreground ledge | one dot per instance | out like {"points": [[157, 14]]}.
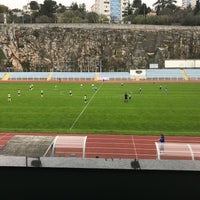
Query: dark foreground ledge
{"points": [[74, 178], [99, 163]]}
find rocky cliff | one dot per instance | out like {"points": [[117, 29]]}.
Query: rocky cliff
{"points": [[84, 47]]}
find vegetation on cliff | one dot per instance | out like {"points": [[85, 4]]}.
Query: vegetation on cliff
{"points": [[166, 13]]}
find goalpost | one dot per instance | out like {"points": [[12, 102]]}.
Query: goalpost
{"points": [[69, 146]]}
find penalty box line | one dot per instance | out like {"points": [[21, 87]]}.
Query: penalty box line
{"points": [[78, 117]]}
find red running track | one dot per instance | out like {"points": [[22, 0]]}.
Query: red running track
{"points": [[117, 146]]}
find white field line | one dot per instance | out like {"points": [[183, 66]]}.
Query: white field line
{"points": [[75, 121]]}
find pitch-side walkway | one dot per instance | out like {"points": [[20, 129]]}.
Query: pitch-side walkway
{"points": [[117, 146]]}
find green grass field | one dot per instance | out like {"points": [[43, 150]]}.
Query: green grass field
{"points": [[149, 113]]}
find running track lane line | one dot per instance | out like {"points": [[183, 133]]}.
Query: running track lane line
{"points": [[136, 155], [75, 121]]}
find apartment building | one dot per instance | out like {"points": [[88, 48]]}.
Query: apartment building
{"points": [[102, 7], [187, 3], [113, 9]]}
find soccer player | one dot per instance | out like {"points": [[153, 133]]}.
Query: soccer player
{"points": [[9, 97], [70, 93], [41, 93], [95, 88], [140, 90], [166, 90], [19, 92], [31, 87], [125, 97], [85, 98]]}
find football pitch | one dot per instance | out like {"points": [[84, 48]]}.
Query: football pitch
{"points": [[172, 110]]}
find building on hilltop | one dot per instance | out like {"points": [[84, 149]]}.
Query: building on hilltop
{"points": [[187, 3], [102, 7], [113, 9], [28, 10]]}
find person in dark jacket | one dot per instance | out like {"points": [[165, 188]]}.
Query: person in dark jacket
{"points": [[162, 140]]}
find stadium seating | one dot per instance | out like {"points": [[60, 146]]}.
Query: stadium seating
{"points": [[151, 74], [115, 75], [164, 74], [2, 74], [72, 75], [193, 74], [28, 75]]}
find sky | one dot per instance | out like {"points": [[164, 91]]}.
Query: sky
{"points": [[20, 3]]}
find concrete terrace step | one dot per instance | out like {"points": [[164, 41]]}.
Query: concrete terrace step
{"points": [[6, 76]]}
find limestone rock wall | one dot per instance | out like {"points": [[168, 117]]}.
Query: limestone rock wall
{"points": [[84, 47]]}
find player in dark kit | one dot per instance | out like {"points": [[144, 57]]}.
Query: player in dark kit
{"points": [[125, 97], [162, 140]]}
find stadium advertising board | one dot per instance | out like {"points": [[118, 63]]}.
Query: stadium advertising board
{"points": [[182, 63], [153, 66], [103, 78], [138, 74]]}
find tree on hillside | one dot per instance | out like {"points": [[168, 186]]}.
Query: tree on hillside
{"points": [[43, 19], [61, 8], [92, 17], [48, 8], [160, 5], [140, 8], [3, 9], [82, 7], [67, 17], [103, 19], [143, 10], [170, 3], [74, 6], [137, 3], [197, 8], [128, 10], [34, 5]]}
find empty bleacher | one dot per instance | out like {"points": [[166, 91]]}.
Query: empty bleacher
{"points": [[193, 74], [151, 74], [164, 74], [2, 74], [73, 76], [115, 75], [28, 75]]}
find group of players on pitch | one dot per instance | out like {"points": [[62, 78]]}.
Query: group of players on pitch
{"points": [[31, 87]]}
